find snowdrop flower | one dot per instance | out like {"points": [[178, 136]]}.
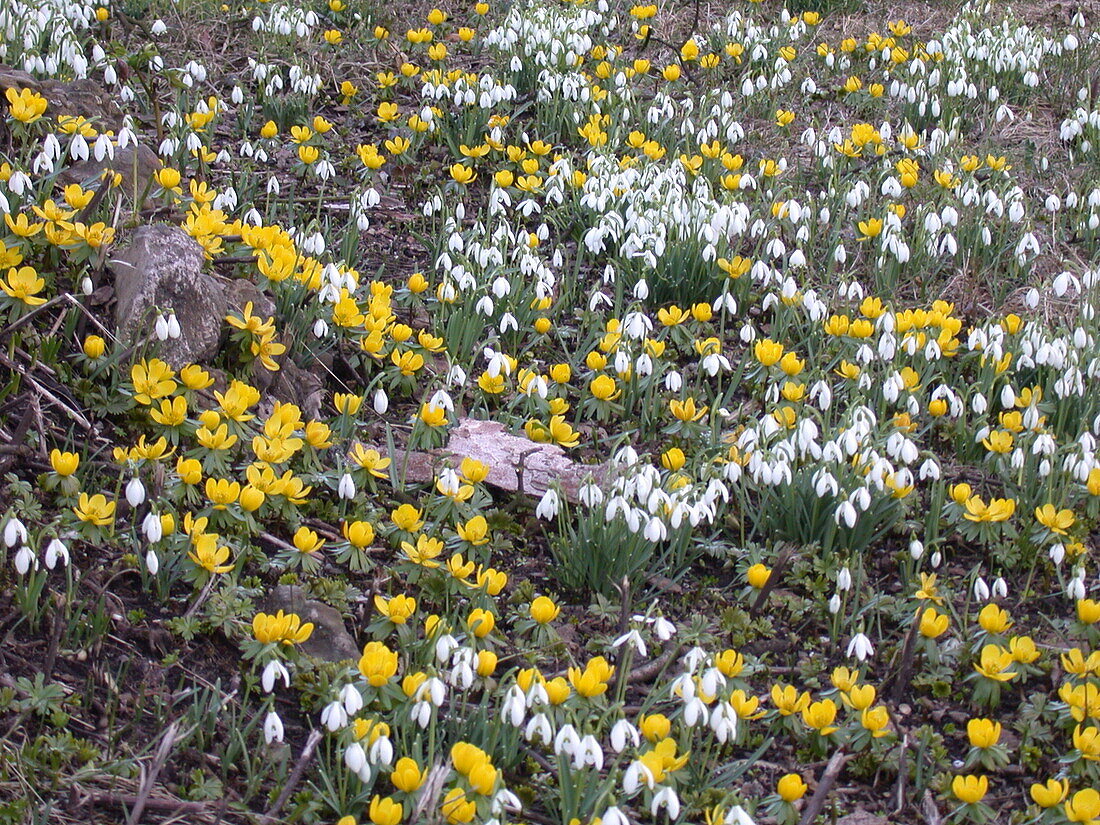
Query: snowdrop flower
{"points": [[24, 559], [273, 671], [14, 532], [623, 732], [355, 757], [56, 551], [538, 725], [352, 699], [666, 798], [860, 647], [548, 505], [152, 562], [135, 492], [346, 489], [634, 639], [981, 589], [334, 716], [273, 728]]}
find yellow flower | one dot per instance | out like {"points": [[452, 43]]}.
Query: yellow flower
{"points": [[463, 174], [1087, 741], [25, 106], [592, 681], [1088, 611], [1057, 521], [876, 721], [998, 509], [983, 733], [994, 663], [869, 229], [999, 441], [1050, 793], [970, 789], [456, 808], [1084, 807], [686, 410], [791, 787], [820, 716], [543, 610], [406, 775], [378, 664], [475, 531], [398, 610], [433, 416], [209, 555], [788, 700], [23, 284], [994, 619], [603, 387], [95, 509], [480, 622], [307, 541], [746, 707], [283, 628], [424, 552], [933, 624], [64, 464], [768, 352], [758, 575]]}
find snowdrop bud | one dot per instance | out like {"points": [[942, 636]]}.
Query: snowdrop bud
{"points": [[355, 757], [1057, 553], [152, 562], [174, 330], [981, 589], [673, 381], [1000, 588], [1032, 298], [135, 492], [978, 403], [916, 549], [352, 699], [844, 580], [641, 290], [381, 401], [273, 728], [86, 286], [346, 489], [152, 527], [834, 604], [161, 327], [1076, 588], [1008, 396], [320, 328], [937, 559]]}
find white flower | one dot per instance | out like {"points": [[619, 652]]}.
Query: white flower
{"points": [[56, 551], [548, 505], [346, 488], [622, 732], [152, 562], [273, 728], [538, 725], [14, 532], [666, 798], [981, 589], [274, 670], [738, 816], [860, 647], [355, 757], [352, 699], [152, 527], [23, 560], [135, 492], [334, 716]]}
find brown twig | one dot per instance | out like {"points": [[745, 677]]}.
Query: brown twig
{"points": [[153, 803], [824, 785], [149, 779]]}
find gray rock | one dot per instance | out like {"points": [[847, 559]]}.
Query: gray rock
{"points": [[162, 269], [330, 640]]}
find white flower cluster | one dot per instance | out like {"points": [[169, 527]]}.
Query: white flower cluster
{"points": [[44, 35]]}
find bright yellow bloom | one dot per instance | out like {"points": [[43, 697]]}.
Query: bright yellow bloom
{"points": [[970, 789], [282, 628], [208, 555], [64, 464], [378, 664], [23, 284], [791, 787], [95, 509], [543, 610]]}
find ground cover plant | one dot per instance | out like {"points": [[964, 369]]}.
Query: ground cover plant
{"points": [[549, 412]]}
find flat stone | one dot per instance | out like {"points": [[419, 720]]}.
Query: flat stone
{"points": [[162, 269]]}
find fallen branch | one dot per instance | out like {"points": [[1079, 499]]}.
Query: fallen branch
{"points": [[824, 785]]}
